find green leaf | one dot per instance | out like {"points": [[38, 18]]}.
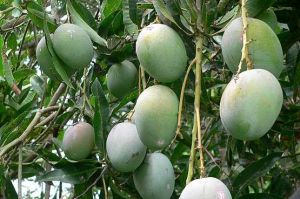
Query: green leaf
{"points": [[110, 6], [81, 188], [58, 64], [1, 61], [297, 78], [160, 6], [260, 196], [8, 73], [28, 170], [130, 27], [255, 7], [38, 85], [85, 14], [80, 22], [70, 173], [9, 190], [36, 14], [101, 115], [255, 170], [12, 41], [23, 73]]}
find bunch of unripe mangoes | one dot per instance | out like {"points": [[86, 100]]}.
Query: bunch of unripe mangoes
{"points": [[249, 106]]}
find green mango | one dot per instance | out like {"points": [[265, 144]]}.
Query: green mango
{"points": [[251, 104], [155, 178], [124, 148], [121, 78], [155, 116], [265, 50], [269, 17], [206, 188], [78, 141], [73, 46], [161, 52], [44, 60]]}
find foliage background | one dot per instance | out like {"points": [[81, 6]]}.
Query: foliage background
{"points": [[265, 168]]}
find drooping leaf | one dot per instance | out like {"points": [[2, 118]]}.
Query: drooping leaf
{"points": [[101, 115], [130, 27], [1, 61], [36, 14], [38, 85], [80, 22], [260, 196], [70, 173], [255, 170]]}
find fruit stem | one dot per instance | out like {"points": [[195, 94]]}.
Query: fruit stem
{"points": [[199, 46], [181, 99], [245, 51]]}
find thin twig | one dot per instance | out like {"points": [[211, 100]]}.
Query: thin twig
{"points": [[46, 120], [28, 130], [22, 42], [181, 98], [143, 78], [105, 188]]}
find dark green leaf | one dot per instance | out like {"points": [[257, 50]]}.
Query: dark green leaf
{"points": [[255, 7], [110, 6], [255, 170], [101, 115], [1, 61], [36, 14], [260, 196], [70, 173], [9, 190], [38, 85], [130, 27]]}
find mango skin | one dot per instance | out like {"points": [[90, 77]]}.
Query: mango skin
{"points": [[155, 116], [124, 148], [268, 16], [161, 52], [155, 177], [44, 60], [251, 104], [265, 49], [121, 78], [206, 188], [78, 141], [73, 46]]}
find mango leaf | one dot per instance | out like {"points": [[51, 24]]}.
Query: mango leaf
{"points": [[28, 170], [254, 171], [160, 7], [80, 22], [101, 115], [297, 78], [255, 7], [71, 173], [58, 64], [85, 14], [79, 189], [130, 27], [23, 73], [36, 14], [260, 196], [1, 61], [37, 84], [110, 6], [9, 191], [8, 75]]}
